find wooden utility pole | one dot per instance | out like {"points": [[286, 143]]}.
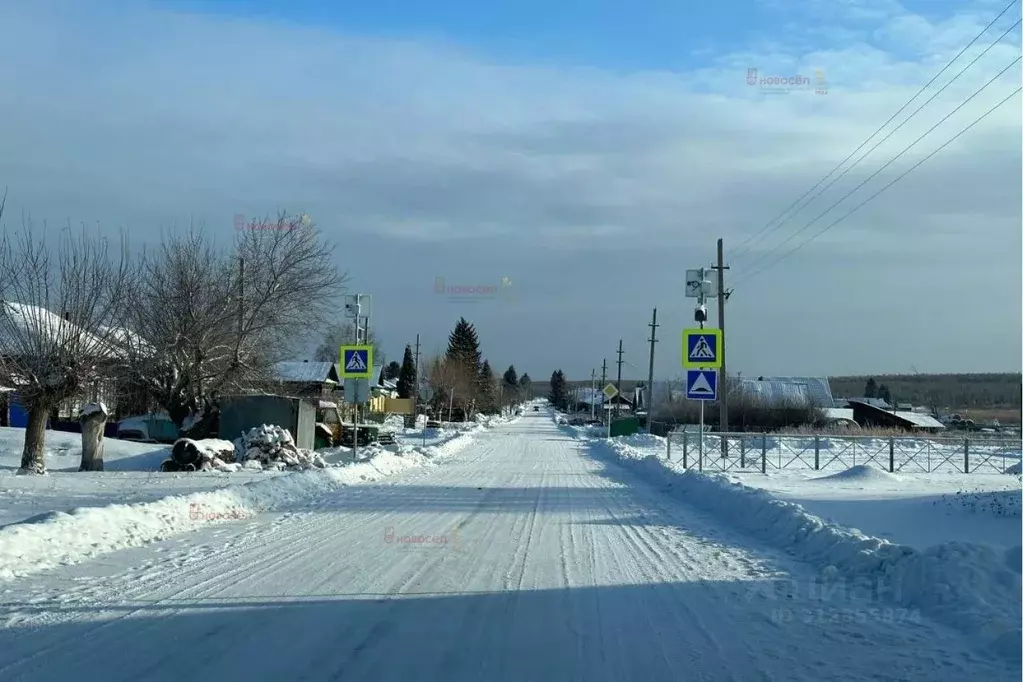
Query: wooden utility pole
{"points": [[603, 383], [650, 376], [618, 384], [723, 372]]}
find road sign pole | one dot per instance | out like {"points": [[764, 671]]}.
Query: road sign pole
{"points": [[701, 436], [355, 420]]}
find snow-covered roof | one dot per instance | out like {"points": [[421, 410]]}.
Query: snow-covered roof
{"points": [[21, 320], [815, 390], [306, 372], [922, 420], [838, 414]]}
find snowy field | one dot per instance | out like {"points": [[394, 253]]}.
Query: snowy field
{"points": [[132, 473], [911, 507], [948, 544]]}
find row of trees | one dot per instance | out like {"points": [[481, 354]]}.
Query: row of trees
{"points": [[178, 326], [462, 380]]}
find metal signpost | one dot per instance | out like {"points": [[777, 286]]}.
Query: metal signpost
{"points": [[356, 364], [427, 393], [610, 391], [701, 358], [701, 385]]}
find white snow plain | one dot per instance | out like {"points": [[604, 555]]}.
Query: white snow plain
{"points": [[946, 571], [528, 555], [59, 537]]}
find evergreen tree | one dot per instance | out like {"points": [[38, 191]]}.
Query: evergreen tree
{"points": [[526, 385], [407, 378], [510, 389], [487, 402], [392, 370], [870, 390], [885, 394], [464, 346], [559, 390], [463, 366]]}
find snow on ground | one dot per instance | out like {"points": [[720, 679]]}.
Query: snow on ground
{"points": [[960, 562], [525, 558], [119, 509]]}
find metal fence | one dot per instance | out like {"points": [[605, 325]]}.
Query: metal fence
{"points": [[894, 454]]}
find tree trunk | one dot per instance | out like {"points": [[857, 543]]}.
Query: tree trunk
{"points": [[94, 421], [32, 461]]}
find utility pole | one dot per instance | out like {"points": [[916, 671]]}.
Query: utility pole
{"points": [[593, 393], [415, 396], [650, 376], [603, 383], [619, 384], [723, 372]]}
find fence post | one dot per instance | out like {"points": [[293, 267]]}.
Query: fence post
{"points": [[685, 450], [816, 453], [742, 451], [891, 455], [667, 437], [763, 453], [966, 455]]}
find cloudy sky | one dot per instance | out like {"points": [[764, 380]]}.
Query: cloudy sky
{"points": [[574, 157]]}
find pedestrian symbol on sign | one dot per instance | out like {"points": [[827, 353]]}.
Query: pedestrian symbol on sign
{"points": [[356, 363], [702, 350]]}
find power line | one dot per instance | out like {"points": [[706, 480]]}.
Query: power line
{"points": [[890, 161], [886, 137], [871, 197], [739, 248]]}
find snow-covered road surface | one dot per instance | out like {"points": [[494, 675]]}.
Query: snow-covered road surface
{"points": [[523, 558]]}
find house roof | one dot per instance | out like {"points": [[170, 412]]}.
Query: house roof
{"points": [[307, 372], [21, 320], [924, 421], [815, 391]]}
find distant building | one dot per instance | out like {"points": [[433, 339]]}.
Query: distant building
{"points": [[815, 391], [868, 414]]}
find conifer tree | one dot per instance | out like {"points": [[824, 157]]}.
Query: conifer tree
{"points": [[407, 379]]}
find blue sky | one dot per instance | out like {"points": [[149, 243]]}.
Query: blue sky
{"points": [[589, 152], [611, 34]]}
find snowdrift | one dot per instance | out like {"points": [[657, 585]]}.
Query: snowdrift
{"points": [[973, 588], [60, 538]]}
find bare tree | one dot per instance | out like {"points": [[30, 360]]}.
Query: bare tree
{"points": [[343, 334], [210, 322], [454, 385], [59, 323]]}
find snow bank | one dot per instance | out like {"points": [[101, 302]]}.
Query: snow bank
{"points": [[60, 538], [860, 472], [974, 588]]}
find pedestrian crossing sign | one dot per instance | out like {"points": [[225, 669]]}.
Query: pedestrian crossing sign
{"points": [[356, 362], [701, 348]]}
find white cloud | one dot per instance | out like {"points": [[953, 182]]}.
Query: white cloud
{"points": [[132, 116]]}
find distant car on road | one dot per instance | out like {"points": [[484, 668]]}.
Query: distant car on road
{"points": [[536, 408]]}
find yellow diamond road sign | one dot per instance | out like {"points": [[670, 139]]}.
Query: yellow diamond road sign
{"points": [[610, 391]]}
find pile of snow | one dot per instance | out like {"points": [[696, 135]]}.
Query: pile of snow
{"points": [[860, 472], [59, 538], [974, 588], [1014, 469], [273, 447]]}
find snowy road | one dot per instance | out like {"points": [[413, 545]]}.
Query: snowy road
{"points": [[536, 562]]}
